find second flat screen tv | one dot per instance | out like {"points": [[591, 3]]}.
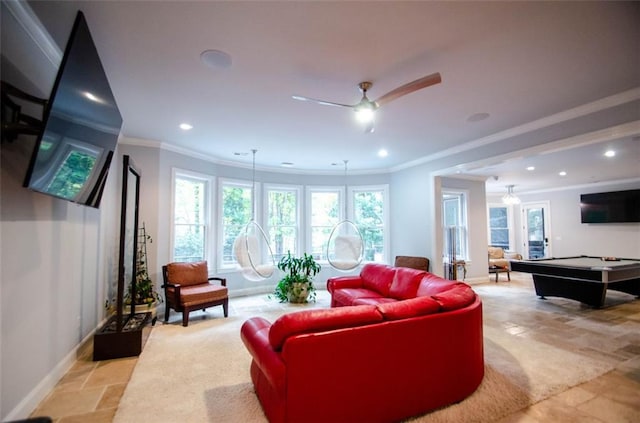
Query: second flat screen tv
{"points": [[610, 207]]}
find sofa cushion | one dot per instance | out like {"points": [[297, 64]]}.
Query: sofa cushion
{"points": [[432, 284], [320, 320], [373, 301], [377, 277], [199, 294], [408, 308], [459, 296], [346, 296], [184, 273], [405, 283]]}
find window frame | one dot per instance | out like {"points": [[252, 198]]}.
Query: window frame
{"points": [[297, 189], [222, 267], [351, 203], [309, 191], [510, 223], [209, 213], [464, 210]]}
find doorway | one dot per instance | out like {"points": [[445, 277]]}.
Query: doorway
{"points": [[536, 228]]}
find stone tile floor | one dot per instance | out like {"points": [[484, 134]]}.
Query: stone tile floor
{"points": [[91, 391]]}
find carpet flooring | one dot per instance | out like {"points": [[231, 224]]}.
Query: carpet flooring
{"points": [[201, 372]]}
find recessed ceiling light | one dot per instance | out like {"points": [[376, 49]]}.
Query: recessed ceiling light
{"points": [[530, 168], [562, 173], [477, 117], [185, 126], [286, 164], [216, 59], [383, 153], [610, 153]]}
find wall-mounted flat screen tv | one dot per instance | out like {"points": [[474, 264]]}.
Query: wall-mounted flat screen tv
{"points": [[80, 126], [610, 207]]}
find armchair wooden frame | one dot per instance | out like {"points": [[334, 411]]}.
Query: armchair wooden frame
{"points": [[173, 299]]}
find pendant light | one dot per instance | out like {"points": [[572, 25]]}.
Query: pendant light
{"points": [[510, 198]]}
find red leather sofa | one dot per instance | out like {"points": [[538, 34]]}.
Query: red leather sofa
{"points": [[396, 343]]}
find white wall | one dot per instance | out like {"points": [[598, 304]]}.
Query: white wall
{"points": [[55, 257], [569, 237]]}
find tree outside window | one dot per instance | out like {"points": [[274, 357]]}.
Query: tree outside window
{"points": [[325, 212], [282, 220], [237, 203], [499, 226], [190, 218], [369, 217]]}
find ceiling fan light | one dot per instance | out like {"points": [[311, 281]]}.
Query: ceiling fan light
{"points": [[365, 115]]}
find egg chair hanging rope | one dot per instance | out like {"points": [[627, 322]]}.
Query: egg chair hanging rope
{"points": [[251, 248], [345, 244]]}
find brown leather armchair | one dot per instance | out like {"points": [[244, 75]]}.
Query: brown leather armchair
{"points": [[420, 263], [187, 288]]}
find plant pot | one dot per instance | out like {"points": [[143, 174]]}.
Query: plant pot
{"points": [[299, 292], [143, 308]]}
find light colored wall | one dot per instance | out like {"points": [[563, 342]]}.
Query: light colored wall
{"points": [[55, 256], [569, 237], [477, 217]]}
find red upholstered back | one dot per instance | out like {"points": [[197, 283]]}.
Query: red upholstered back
{"points": [[405, 309], [432, 284], [377, 277], [187, 273], [319, 320], [405, 283], [459, 296]]}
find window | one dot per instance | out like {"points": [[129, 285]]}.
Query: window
{"points": [[454, 217], [325, 210], [191, 211], [283, 219], [236, 204], [370, 216], [499, 233]]}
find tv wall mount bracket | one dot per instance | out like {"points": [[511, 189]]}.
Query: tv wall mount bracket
{"points": [[14, 122]]}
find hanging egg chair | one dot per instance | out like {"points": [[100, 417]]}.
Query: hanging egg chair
{"points": [[251, 248], [345, 246]]}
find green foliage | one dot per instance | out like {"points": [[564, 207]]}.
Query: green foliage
{"points": [[72, 175], [299, 273], [145, 288]]}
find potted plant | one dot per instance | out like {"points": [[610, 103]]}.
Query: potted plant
{"points": [[297, 284], [146, 296]]}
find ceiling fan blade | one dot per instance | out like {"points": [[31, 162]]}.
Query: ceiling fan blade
{"points": [[405, 89], [324, 103]]}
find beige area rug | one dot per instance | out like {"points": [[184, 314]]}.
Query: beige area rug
{"points": [[201, 374]]}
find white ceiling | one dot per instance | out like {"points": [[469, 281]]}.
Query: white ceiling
{"points": [[553, 76]]}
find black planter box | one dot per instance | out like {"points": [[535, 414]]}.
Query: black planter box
{"points": [[110, 343]]}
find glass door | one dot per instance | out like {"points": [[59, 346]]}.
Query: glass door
{"points": [[536, 227]]}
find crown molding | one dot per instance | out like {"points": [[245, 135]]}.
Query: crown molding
{"points": [[576, 112], [34, 28]]}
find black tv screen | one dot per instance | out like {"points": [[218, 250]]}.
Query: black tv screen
{"points": [[80, 126], [610, 207]]}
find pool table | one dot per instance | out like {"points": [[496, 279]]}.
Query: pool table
{"points": [[582, 278]]}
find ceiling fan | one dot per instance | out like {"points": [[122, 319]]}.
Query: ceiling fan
{"points": [[366, 108]]}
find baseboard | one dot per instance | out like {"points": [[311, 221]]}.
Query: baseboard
{"points": [[30, 402]]}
